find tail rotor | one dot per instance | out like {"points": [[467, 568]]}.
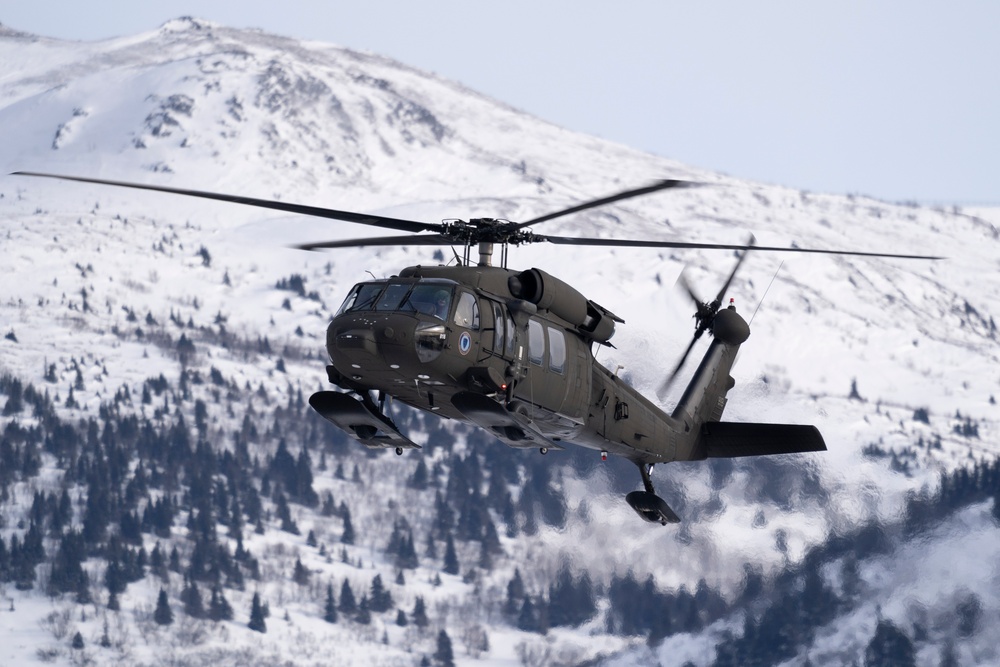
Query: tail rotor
{"points": [[704, 315]]}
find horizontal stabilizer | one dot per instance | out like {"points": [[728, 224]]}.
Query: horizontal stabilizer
{"points": [[723, 440]]}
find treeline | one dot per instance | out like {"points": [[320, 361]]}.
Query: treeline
{"points": [[781, 619], [151, 485]]}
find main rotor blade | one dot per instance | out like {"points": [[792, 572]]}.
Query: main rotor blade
{"points": [[659, 185], [633, 243], [431, 239], [315, 211]]}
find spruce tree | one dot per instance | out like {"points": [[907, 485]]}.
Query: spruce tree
{"points": [[330, 610], [381, 599], [450, 557], [527, 620], [105, 640], [889, 647], [300, 575], [348, 535], [444, 656], [515, 594], [191, 597], [420, 613], [163, 615], [219, 608], [348, 605], [364, 616], [257, 623]]}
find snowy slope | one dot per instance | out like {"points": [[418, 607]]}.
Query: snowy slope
{"points": [[199, 105]]}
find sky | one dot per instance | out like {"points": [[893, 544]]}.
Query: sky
{"points": [[895, 99]]}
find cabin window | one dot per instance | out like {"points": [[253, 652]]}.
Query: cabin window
{"points": [[557, 350], [536, 342], [498, 338], [467, 312], [511, 335]]}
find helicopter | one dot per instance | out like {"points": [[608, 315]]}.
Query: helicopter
{"points": [[513, 351]]}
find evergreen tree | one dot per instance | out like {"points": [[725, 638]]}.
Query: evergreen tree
{"points": [[300, 575], [105, 640], [418, 480], [515, 594], [430, 550], [219, 608], [77, 641], [401, 620], [257, 622], [67, 573], [570, 602], [528, 619], [364, 616], [948, 657], [348, 605], [162, 614], [348, 535], [450, 557], [304, 492], [444, 656], [420, 613], [381, 599], [889, 647], [330, 610], [285, 514], [191, 597]]}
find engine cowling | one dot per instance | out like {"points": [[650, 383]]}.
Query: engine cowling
{"points": [[560, 299]]}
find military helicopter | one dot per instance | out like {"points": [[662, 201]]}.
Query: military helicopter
{"points": [[513, 351]]}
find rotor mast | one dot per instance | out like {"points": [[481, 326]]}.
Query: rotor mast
{"points": [[485, 253]]}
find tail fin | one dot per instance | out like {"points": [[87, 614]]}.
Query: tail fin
{"points": [[732, 440]]}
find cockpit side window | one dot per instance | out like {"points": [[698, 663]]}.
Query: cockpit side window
{"points": [[498, 328], [467, 312], [511, 334], [362, 297]]}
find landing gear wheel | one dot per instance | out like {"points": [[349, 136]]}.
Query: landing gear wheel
{"points": [[399, 451], [651, 507], [543, 450]]}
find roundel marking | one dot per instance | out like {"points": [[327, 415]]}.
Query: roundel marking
{"points": [[464, 342]]}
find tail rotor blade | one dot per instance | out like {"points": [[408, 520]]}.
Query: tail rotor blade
{"points": [[682, 281], [661, 392], [729, 280]]}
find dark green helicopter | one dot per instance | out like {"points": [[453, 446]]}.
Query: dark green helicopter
{"points": [[513, 351]]}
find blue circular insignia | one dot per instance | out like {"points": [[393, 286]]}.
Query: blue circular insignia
{"points": [[464, 342]]}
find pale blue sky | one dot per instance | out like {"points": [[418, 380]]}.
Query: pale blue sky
{"points": [[899, 100]]}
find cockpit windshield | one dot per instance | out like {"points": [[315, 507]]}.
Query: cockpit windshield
{"points": [[429, 298]]}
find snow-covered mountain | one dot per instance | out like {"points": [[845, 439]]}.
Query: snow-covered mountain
{"points": [[894, 360]]}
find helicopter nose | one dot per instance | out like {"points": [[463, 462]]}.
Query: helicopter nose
{"points": [[374, 343]]}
